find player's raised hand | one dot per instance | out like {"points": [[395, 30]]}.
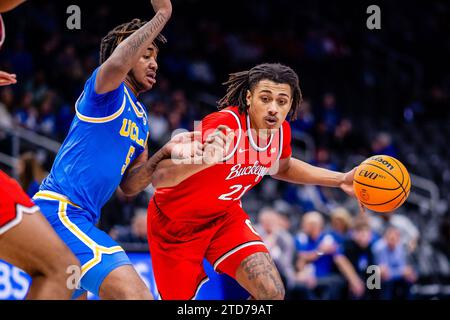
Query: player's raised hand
{"points": [[217, 144], [162, 6], [185, 146], [7, 78]]}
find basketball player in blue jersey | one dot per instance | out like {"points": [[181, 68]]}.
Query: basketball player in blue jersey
{"points": [[105, 148]]}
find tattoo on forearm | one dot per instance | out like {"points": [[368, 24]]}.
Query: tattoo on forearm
{"points": [[260, 269], [150, 30], [154, 160], [139, 177]]}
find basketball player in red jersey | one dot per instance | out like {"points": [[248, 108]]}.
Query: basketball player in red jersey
{"points": [[196, 211], [28, 242], [26, 239]]}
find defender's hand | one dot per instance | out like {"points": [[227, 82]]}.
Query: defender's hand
{"points": [[184, 146], [162, 5], [7, 78], [217, 144]]}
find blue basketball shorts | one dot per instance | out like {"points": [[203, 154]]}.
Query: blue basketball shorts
{"points": [[97, 252]]}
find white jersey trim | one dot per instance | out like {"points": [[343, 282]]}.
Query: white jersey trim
{"points": [[239, 138], [99, 119], [280, 151], [233, 251], [252, 142]]}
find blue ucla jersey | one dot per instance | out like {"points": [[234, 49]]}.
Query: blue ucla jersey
{"points": [[109, 131]]}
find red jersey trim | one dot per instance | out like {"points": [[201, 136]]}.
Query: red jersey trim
{"points": [[20, 210]]}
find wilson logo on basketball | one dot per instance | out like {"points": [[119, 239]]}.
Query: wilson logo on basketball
{"points": [[384, 162]]}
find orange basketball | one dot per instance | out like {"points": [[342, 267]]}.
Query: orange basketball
{"points": [[381, 183]]}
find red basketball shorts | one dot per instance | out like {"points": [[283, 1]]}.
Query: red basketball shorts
{"points": [[13, 203], [177, 249]]}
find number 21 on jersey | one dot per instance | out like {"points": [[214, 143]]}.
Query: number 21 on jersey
{"points": [[236, 189]]}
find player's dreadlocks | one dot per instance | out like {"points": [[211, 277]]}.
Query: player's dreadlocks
{"points": [[238, 83], [120, 33]]}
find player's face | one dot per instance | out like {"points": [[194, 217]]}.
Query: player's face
{"points": [[269, 104], [143, 73]]}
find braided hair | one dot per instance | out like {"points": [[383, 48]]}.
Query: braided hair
{"points": [[120, 33], [238, 83]]}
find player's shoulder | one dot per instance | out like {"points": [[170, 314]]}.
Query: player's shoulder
{"points": [[286, 125], [286, 132]]}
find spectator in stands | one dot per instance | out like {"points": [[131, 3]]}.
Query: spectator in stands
{"points": [[319, 253], [346, 140], [280, 243], [341, 223], [305, 121], [6, 105], [26, 115], [409, 233], [31, 173], [358, 250], [119, 210], [137, 232], [47, 118], [159, 130], [188, 112], [330, 116], [397, 274], [317, 197], [382, 144]]}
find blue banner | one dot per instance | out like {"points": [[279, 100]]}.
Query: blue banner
{"points": [[14, 283]]}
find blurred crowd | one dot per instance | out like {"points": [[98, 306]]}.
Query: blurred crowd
{"points": [[366, 92]]}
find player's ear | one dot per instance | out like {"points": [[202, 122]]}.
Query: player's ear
{"points": [[248, 97]]}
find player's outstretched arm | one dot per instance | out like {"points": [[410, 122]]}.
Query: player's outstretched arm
{"points": [[115, 69], [141, 172], [6, 5], [7, 79], [171, 172], [299, 172]]}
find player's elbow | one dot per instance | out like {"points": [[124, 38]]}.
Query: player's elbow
{"points": [[128, 190]]}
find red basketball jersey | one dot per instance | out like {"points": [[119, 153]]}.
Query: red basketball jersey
{"points": [[210, 192], [13, 203]]}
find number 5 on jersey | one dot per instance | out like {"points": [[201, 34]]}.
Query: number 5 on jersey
{"points": [[128, 159]]}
